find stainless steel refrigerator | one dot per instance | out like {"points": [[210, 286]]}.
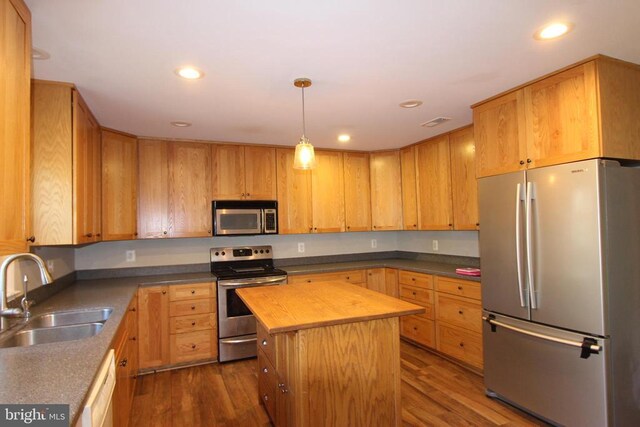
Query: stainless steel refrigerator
{"points": [[560, 258]]}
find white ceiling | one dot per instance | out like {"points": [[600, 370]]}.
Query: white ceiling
{"points": [[364, 57]]}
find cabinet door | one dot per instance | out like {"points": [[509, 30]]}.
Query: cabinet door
{"points": [[433, 176], [260, 173], [82, 169], [153, 326], [227, 172], [153, 185], [294, 195], [376, 280], [386, 191], [562, 117], [121, 391], [327, 189], [499, 133], [15, 75], [391, 282], [357, 192], [94, 195], [189, 191], [464, 187], [409, 195], [119, 186]]}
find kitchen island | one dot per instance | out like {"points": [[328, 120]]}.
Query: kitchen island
{"points": [[328, 353]]}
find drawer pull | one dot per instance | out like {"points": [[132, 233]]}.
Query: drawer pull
{"points": [[348, 276], [461, 344], [164, 292], [415, 328], [193, 346], [308, 280], [414, 294], [123, 362], [413, 278], [460, 312], [193, 323], [265, 397], [193, 307], [459, 288], [265, 370], [264, 342], [193, 292]]}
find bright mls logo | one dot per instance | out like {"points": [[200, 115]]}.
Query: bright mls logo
{"points": [[34, 415]]}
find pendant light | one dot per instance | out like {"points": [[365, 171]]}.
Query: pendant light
{"points": [[305, 157]]}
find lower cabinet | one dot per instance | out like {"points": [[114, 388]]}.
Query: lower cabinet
{"points": [[418, 289], [356, 277], [177, 324], [126, 354]]}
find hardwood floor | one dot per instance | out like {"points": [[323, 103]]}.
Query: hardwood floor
{"points": [[435, 392]]}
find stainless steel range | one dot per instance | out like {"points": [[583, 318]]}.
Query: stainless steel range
{"points": [[235, 268]]}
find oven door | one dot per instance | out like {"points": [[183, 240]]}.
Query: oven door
{"points": [[234, 318], [237, 221]]}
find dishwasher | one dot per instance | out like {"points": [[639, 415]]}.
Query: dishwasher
{"points": [[98, 410]]}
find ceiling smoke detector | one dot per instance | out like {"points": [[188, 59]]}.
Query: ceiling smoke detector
{"points": [[411, 103], [435, 122]]}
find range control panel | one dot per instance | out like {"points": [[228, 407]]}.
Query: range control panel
{"points": [[244, 253]]}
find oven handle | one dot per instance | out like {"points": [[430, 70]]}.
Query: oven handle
{"points": [[255, 281], [238, 341]]}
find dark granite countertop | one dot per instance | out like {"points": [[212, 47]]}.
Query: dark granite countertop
{"points": [[64, 372], [420, 266]]}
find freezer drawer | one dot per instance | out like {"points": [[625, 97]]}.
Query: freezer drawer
{"points": [[546, 378]]}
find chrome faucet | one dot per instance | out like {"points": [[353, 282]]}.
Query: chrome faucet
{"points": [[24, 311]]}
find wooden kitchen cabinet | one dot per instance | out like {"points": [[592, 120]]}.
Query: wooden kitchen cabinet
{"points": [[126, 357], [66, 172], [357, 192], [433, 183], [583, 111], [153, 326], [327, 189], [464, 187], [383, 280], [409, 190], [243, 172], [417, 288], [174, 195], [355, 277], [295, 210], [386, 190], [119, 186], [15, 89]]}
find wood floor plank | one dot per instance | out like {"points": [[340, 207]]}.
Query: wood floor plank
{"points": [[435, 392]]}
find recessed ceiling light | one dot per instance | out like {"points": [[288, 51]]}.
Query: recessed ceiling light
{"points": [[435, 122], [553, 31], [411, 103], [344, 138], [39, 53], [180, 124], [190, 73]]}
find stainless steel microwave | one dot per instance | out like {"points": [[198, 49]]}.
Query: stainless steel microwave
{"points": [[244, 217]]}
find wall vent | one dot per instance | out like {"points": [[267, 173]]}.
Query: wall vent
{"points": [[435, 122]]}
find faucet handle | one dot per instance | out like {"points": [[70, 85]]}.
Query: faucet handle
{"points": [[26, 304]]}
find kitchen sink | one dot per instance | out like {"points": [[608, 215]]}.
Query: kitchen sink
{"points": [[33, 336], [74, 317]]}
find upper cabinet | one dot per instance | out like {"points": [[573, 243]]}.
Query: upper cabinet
{"points": [[464, 187], [585, 111], [327, 188], [433, 177], [174, 192], [357, 192], [409, 195], [66, 182], [386, 190], [243, 172], [15, 75], [119, 186], [294, 195]]}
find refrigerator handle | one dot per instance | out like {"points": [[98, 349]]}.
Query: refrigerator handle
{"points": [[528, 227], [588, 346], [519, 199]]}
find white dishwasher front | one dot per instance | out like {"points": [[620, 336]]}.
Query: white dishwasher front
{"points": [[98, 410]]}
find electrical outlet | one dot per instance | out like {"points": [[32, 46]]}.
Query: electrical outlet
{"points": [[131, 255], [301, 247], [374, 243], [434, 245], [51, 266]]}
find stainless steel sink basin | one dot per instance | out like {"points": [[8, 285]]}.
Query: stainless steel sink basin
{"points": [[33, 336], [73, 317]]}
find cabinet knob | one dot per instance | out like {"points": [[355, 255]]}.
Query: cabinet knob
{"points": [[248, 194], [413, 279], [461, 344], [265, 370], [31, 239], [528, 160], [414, 294], [415, 328], [98, 234], [135, 234], [193, 291], [193, 307], [242, 194], [265, 397], [88, 235], [132, 309], [349, 227], [193, 323], [132, 338], [522, 162], [209, 231], [164, 232], [477, 224], [315, 228], [310, 229], [459, 288], [308, 280], [415, 225], [460, 312], [123, 362], [193, 346], [164, 292], [348, 276], [374, 226], [450, 225], [264, 342]]}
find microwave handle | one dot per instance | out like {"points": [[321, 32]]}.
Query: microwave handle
{"points": [[263, 221]]}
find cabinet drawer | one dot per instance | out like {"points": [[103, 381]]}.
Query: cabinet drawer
{"points": [[463, 288], [461, 344], [415, 279], [267, 384], [462, 312], [357, 277], [191, 346], [418, 329], [197, 322], [190, 291], [416, 294], [266, 343], [184, 308]]}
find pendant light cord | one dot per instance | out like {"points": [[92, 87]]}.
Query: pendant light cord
{"points": [[304, 130]]}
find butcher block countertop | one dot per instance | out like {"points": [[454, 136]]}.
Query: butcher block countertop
{"points": [[298, 306]]}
